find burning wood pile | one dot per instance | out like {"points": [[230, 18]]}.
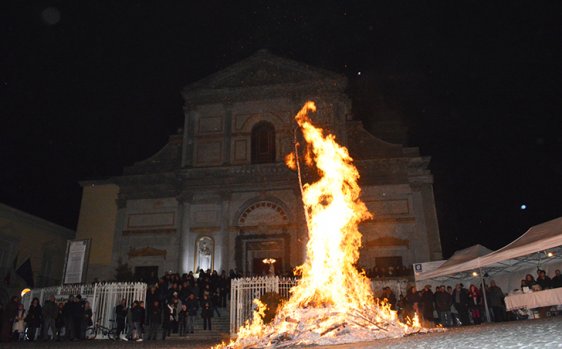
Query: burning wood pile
{"points": [[333, 303]]}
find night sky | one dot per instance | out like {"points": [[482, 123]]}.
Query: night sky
{"points": [[88, 87]]}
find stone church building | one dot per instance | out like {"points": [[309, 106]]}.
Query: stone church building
{"points": [[219, 196]]}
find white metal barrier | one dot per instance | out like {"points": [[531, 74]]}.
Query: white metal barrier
{"points": [[243, 291], [398, 286], [103, 297]]}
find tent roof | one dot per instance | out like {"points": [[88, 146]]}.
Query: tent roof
{"points": [[465, 255], [538, 238], [460, 259]]}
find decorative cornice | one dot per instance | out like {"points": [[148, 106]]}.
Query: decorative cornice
{"points": [[149, 231], [387, 241]]}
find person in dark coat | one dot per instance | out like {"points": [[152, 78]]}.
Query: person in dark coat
{"points": [[143, 318], [137, 317], [412, 303], [182, 320], [543, 281], [192, 309], [460, 302], [151, 295], [67, 318], [389, 297], [78, 309], [224, 284], [59, 322], [88, 315], [50, 314], [8, 316], [168, 319], [33, 319], [155, 319], [206, 312], [443, 302], [556, 280], [121, 311], [495, 297], [427, 299]]}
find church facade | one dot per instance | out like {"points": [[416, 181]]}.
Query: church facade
{"points": [[219, 196]]}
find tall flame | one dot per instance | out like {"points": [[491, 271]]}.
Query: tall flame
{"points": [[332, 299], [334, 210]]}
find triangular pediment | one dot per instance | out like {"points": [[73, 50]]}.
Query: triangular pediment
{"points": [[264, 69]]}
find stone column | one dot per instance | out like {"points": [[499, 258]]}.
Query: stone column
{"points": [[420, 244], [184, 214], [120, 243], [187, 142], [227, 138], [430, 213], [222, 244]]}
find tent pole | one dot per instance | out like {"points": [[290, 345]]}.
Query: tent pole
{"points": [[482, 283]]}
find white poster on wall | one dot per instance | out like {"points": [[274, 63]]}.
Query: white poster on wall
{"points": [[76, 253]]}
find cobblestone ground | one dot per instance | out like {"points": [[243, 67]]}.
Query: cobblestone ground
{"points": [[542, 333]]}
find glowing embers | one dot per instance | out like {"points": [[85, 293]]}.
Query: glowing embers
{"points": [[333, 302]]}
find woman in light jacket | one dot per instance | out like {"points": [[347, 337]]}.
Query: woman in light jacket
{"points": [[19, 323]]}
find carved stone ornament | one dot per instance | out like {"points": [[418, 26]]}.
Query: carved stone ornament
{"points": [[147, 252]]}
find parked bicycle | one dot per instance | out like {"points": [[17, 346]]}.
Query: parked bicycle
{"points": [[92, 332]]}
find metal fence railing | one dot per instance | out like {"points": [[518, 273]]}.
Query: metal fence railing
{"points": [[103, 297], [243, 291]]}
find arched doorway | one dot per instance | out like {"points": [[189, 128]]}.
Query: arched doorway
{"points": [[263, 234]]}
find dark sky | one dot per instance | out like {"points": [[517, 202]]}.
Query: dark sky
{"points": [[90, 86]]}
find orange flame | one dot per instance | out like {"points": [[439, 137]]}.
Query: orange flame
{"points": [[332, 298], [332, 204]]}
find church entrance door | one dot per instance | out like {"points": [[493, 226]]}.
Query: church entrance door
{"points": [[251, 250], [262, 269], [146, 274]]}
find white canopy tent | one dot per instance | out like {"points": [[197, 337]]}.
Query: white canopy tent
{"points": [[464, 256], [540, 247]]}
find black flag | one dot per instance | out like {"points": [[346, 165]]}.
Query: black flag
{"points": [[25, 272]]}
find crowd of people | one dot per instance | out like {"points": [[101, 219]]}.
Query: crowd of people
{"points": [[388, 272], [447, 306], [461, 306], [542, 282], [51, 321], [175, 303]]}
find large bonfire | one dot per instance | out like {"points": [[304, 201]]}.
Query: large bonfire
{"points": [[333, 302]]}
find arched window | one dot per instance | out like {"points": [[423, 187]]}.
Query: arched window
{"points": [[263, 143]]}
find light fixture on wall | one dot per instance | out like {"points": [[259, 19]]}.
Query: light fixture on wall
{"points": [[270, 262]]}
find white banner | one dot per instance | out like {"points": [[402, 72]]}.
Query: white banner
{"points": [[75, 261]]}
